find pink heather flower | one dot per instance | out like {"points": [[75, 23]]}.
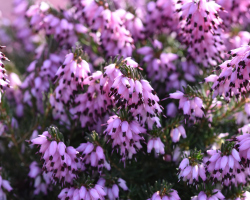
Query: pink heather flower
{"points": [[4, 186], [173, 195], [58, 111], [234, 76], [4, 82], [21, 25], [236, 12], [93, 104], [115, 38], [124, 135], [132, 23], [39, 185], [15, 94], [34, 170], [92, 13], [243, 145], [58, 159], [37, 13], [62, 30], [160, 17], [38, 80], [203, 196], [112, 191], [226, 168], [189, 105], [176, 133], [176, 157], [191, 172], [190, 71], [122, 184], [73, 193], [50, 65], [171, 110], [71, 76], [241, 39], [159, 65], [156, 143], [129, 90], [201, 30], [245, 129], [93, 156], [242, 117]]}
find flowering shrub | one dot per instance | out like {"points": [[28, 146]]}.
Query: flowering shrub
{"points": [[125, 100]]}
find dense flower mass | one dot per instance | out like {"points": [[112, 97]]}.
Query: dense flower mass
{"points": [[125, 135], [226, 168], [242, 145], [93, 104], [201, 30], [159, 65], [237, 11], [71, 76], [160, 16], [62, 161], [234, 76], [148, 103], [129, 90]]}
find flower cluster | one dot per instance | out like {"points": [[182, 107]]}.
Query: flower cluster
{"points": [[192, 170], [93, 156], [125, 135], [201, 30], [159, 65], [243, 145], [42, 18], [129, 90], [111, 188], [62, 161], [156, 144], [160, 17], [234, 76], [105, 66], [189, 105], [226, 167], [93, 104], [72, 193], [35, 173], [115, 38], [237, 11], [71, 76]]}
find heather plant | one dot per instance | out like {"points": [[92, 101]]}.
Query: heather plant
{"points": [[125, 99]]}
